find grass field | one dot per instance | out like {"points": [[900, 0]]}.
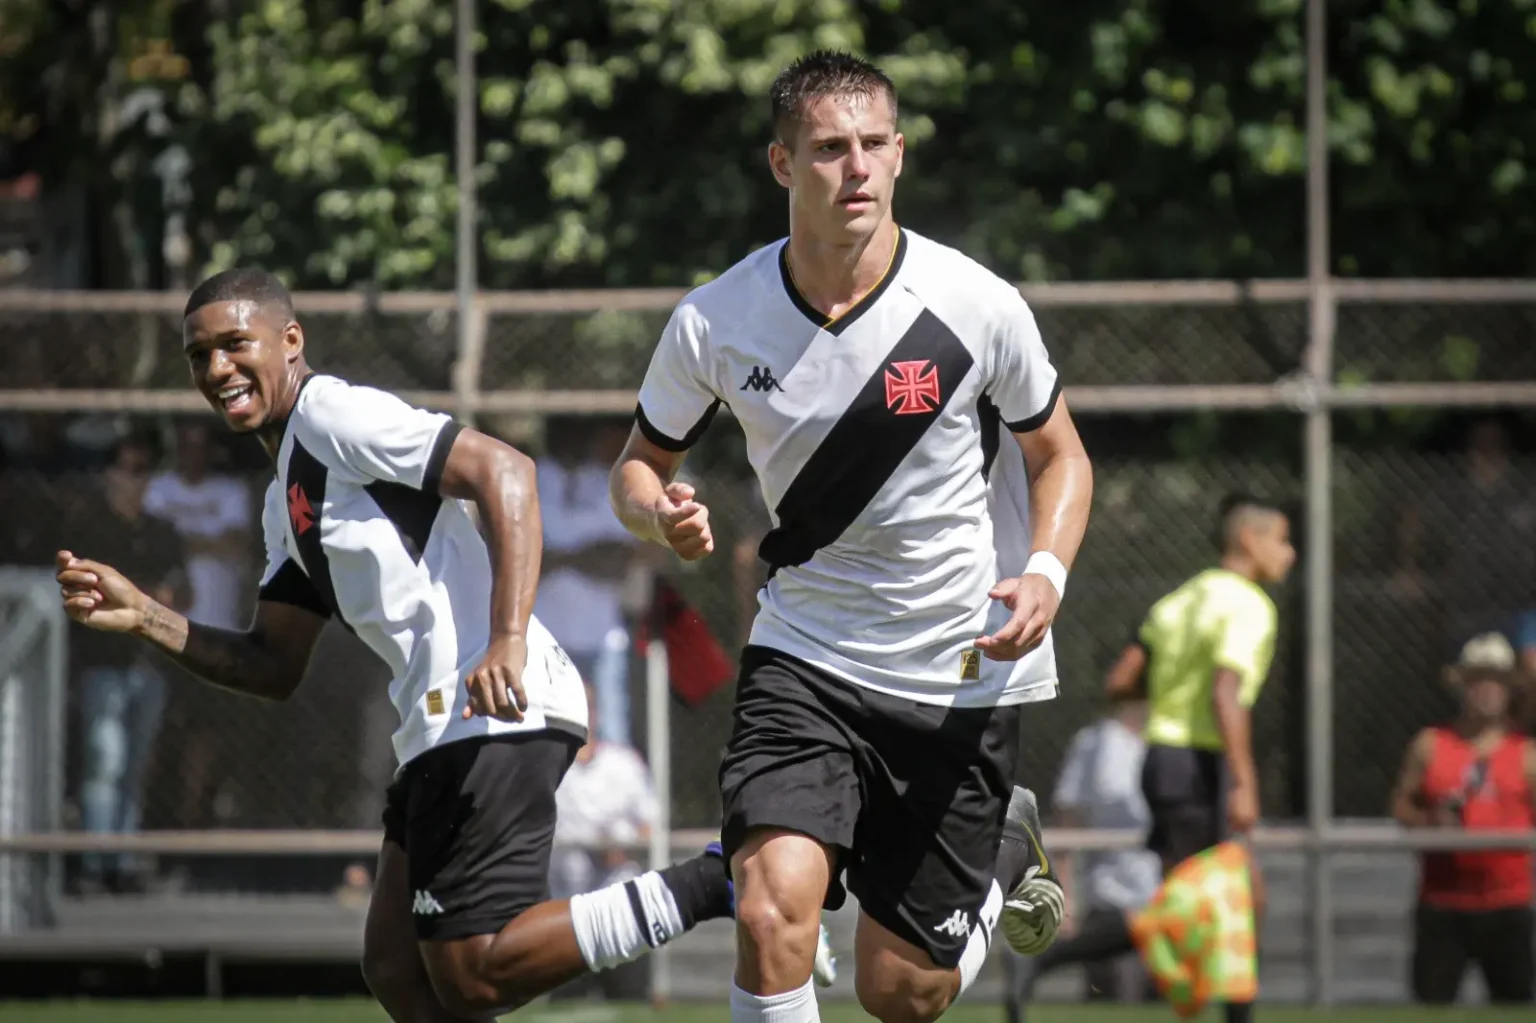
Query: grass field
{"points": [[837, 1012]]}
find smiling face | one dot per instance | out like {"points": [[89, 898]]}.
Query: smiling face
{"points": [[840, 164], [245, 360]]}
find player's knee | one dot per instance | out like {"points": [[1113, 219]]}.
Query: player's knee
{"points": [[777, 924], [778, 898], [904, 995]]}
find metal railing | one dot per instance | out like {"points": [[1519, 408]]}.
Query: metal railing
{"points": [[480, 372], [31, 740]]}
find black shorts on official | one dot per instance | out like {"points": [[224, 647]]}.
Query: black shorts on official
{"points": [[911, 795], [1186, 792], [476, 819]]}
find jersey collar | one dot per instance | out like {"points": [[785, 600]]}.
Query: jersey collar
{"points": [[837, 324]]}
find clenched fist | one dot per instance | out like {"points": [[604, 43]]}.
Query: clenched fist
{"points": [[683, 522], [99, 596], [496, 686]]}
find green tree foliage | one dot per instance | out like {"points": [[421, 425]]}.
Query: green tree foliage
{"points": [[621, 141]]}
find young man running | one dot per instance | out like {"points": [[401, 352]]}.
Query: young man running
{"points": [[369, 520], [917, 558]]}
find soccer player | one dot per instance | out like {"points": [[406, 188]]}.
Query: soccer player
{"points": [[917, 559], [369, 520], [1200, 659]]}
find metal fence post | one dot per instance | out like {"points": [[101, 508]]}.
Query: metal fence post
{"points": [[1318, 455], [658, 718], [470, 358], [466, 381]]}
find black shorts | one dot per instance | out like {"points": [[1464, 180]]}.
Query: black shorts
{"points": [[1499, 941], [911, 795], [476, 819], [1186, 792]]}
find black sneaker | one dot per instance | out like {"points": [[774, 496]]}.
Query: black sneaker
{"points": [[1035, 903]]}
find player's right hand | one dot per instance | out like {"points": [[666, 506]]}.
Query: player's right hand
{"points": [[98, 595], [683, 522]]}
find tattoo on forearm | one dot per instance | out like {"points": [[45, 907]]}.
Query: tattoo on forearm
{"points": [[232, 660]]}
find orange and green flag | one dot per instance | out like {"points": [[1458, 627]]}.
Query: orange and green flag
{"points": [[1197, 934]]}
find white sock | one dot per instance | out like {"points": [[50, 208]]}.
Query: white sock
{"points": [[798, 1006], [975, 955], [624, 921]]}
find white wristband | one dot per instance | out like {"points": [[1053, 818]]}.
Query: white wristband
{"points": [[1049, 565]]}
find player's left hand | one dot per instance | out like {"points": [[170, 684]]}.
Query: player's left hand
{"points": [[496, 686], [1034, 602]]}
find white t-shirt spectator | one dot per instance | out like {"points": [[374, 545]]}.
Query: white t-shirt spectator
{"points": [[1101, 781], [209, 508], [607, 800]]}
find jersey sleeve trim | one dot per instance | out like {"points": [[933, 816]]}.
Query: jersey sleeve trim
{"points": [[649, 431], [289, 585], [437, 461], [1040, 418]]}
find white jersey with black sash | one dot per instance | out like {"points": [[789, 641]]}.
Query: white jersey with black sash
{"points": [[355, 527], [878, 440]]}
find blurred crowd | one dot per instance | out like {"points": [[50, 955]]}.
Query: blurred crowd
{"points": [[176, 508]]}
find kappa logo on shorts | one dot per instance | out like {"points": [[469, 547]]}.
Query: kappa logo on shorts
{"points": [[426, 905], [957, 926], [970, 665]]}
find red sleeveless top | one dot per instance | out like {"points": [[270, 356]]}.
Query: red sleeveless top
{"points": [[1494, 795]]}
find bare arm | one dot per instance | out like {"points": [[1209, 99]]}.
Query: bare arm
{"points": [[1407, 800], [1060, 484], [638, 483], [500, 481], [1530, 771], [1060, 490], [267, 660], [1235, 723], [1127, 679]]}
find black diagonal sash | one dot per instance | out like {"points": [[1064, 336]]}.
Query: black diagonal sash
{"points": [[865, 446], [310, 475], [990, 421]]}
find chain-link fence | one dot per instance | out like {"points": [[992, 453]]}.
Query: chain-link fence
{"points": [[1433, 510], [1407, 437]]}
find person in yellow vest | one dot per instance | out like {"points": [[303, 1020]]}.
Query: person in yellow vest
{"points": [[1200, 659]]}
